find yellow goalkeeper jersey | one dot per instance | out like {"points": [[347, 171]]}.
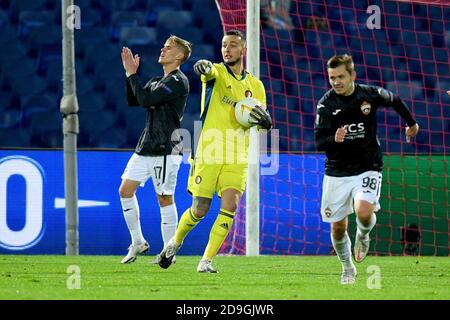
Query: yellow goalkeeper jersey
{"points": [[223, 139]]}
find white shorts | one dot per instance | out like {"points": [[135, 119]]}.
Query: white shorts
{"points": [[162, 169], [338, 194]]}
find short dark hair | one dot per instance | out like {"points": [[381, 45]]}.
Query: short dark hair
{"points": [[184, 45], [237, 33], [339, 60]]}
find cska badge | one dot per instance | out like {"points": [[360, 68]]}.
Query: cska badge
{"points": [[365, 108]]}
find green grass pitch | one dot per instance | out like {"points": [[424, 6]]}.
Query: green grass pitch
{"points": [[239, 278]]}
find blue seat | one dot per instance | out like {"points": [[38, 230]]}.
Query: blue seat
{"points": [[84, 85], [437, 27], [89, 18], [86, 37], [91, 102], [10, 119], [188, 123], [4, 19], [203, 51], [308, 140], [121, 19], [50, 139], [306, 92], [116, 5], [17, 68], [409, 90], [134, 122], [38, 103], [295, 143], [18, 6], [14, 49], [54, 75], [6, 100], [386, 73], [436, 110], [441, 55], [110, 52], [171, 19], [311, 37], [32, 19], [438, 40], [164, 5], [292, 88], [44, 122], [47, 50], [276, 86], [280, 102], [7, 35], [21, 138], [115, 93], [192, 34], [110, 138], [263, 69], [307, 106], [45, 35], [424, 39], [294, 103], [149, 69], [106, 73], [443, 84], [130, 36], [409, 37], [308, 121], [93, 123], [28, 85]]}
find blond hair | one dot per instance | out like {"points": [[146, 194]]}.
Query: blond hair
{"points": [[184, 45]]}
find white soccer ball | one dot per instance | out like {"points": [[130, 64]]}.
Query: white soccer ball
{"points": [[242, 111]]}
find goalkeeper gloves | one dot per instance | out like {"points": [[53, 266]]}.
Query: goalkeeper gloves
{"points": [[202, 67], [261, 117]]}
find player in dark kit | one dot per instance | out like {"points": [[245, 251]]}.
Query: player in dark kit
{"points": [[346, 129], [156, 155]]}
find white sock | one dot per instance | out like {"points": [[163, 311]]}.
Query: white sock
{"points": [[130, 208], [343, 251], [362, 229], [169, 222]]}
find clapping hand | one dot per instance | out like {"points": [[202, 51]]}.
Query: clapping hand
{"points": [[130, 62]]}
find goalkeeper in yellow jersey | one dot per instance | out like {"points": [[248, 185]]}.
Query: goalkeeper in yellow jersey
{"points": [[220, 162]]}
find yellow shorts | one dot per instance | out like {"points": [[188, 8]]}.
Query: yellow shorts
{"points": [[206, 179]]}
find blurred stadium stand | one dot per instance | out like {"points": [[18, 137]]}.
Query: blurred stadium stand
{"points": [[31, 65]]}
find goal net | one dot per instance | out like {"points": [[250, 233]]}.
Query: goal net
{"points": [[402, 46]]}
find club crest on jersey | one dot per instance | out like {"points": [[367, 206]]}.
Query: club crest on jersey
{"points": [[328, 212], [198, 179], [248, 94], [365, 108]]}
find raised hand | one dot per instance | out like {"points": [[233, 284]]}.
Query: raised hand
{"points": [[202, 67]]}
